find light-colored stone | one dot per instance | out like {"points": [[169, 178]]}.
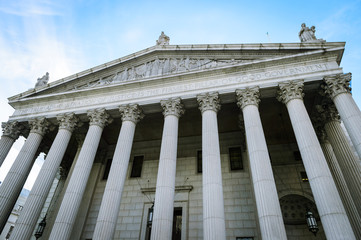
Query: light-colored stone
{"points": [[16, 177], [164, 198], [109, 209], [338, 88], [70, 204], [268, 207], [329, 204], [213, 202]]}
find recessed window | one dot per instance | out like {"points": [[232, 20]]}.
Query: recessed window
{"points": [[137, 166], [244, 238], [107, 169], [199, 161], [304, 177], [235, 158]]}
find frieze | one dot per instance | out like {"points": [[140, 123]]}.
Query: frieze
{"points": [[177, 87], [159, 67]]}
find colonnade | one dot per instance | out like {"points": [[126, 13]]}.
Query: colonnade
{"points": [[331, 208]]}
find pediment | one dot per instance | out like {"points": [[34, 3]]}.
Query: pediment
{"points": [[174, 60]]}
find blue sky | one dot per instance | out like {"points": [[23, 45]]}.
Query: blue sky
{"points": [[65, 37]]}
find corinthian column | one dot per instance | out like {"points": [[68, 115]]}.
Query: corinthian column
{"points": [[338, 88], [164, 196], [11, 132], [34, 203], [213, 202], [74, 192], [340, 182], [347, 160], [268, 206], [109, 208], [329, 205], [16, 177]]}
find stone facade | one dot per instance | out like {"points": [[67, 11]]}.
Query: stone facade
{"points": [[191, 142]]}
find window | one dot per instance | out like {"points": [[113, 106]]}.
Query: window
{"points": [[304, 177], [199, 161], [235, 158], [244, 238], [107, 169], [137, 166]]}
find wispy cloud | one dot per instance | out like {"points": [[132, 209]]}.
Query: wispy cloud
{"points": [[30, 8]]}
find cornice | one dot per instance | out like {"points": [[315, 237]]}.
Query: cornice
{"points": [[317, 55], [241, 48]]}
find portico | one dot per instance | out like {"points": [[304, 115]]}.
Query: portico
{"points": [[141, 148]]}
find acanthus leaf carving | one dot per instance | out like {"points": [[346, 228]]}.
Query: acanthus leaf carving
{"points": [[172, 107], [290, 90], [99, 117], [209, 101], [131, 112], [68, 121], [337, 84], [39, 125], [248, 96], [12, 129]]}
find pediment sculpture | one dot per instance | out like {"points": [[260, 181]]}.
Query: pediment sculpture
{"points": [[42, 81], [307, 34], [160, 67], [163, 39]]}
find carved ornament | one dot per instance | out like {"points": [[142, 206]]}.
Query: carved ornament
{"points": [[290, 90], [99, 117], [11, 129], [337, 84], [209, 101], [172, 107], [248, 96], [131, 112], [68, 121], [39, 125]]}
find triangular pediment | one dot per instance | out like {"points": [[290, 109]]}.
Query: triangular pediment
{"points": [[174, 60]]}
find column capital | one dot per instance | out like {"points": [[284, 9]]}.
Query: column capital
{"points": [[327, 113], [248, 96], [99, 117], [172, 106], [11, 129], [39, 125], [321, 134], [131, 112], [336, 84], [209, 101], [290, 90], [68, 121]]}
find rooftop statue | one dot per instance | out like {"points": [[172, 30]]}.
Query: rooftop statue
{"points": [[307, 34], [42, 81], [163, 39]]}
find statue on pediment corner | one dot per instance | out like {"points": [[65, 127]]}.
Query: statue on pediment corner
{"points": [[42, 81], [163, 39], [307, 34]]}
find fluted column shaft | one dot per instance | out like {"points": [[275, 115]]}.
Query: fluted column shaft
{"points": [[338, 88], [34, 203], [109, 208], [68, 210], [11, 132], [19, 171], [213, 202], [268, 206], [329, 204], [341, 185], [347, 160], [164, 197]]}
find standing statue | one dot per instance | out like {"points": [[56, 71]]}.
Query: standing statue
{"points": [[42, 81], [307, 34], [163, 39]]}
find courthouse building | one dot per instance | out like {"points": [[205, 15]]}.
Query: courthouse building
{"points": [[213, 141]]}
